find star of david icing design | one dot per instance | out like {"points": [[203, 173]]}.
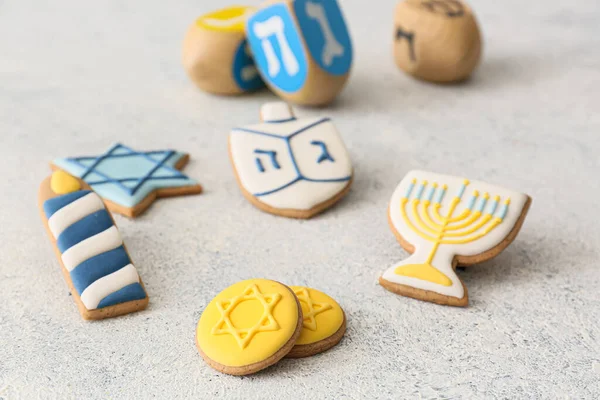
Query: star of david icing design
{"points": [[266, 323], [126, 177], [314, 308]]}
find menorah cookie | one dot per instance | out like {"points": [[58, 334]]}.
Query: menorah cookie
{"points": [[249, 326], [88, 245], [129, 181], [302, 49], [216, 55], [436, 40], [290, 167], [445, 221], [323, 325]]}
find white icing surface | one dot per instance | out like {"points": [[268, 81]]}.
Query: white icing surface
{"points": [[304, 194], [276, 111], [446, 252], [102, 242], [73, 212], [93, 294]]}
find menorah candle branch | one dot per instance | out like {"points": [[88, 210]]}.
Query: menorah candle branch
{"points": [[442, 231]]}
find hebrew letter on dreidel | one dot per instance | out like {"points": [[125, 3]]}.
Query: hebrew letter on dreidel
{"points": [[270, 27], [332, 47]]}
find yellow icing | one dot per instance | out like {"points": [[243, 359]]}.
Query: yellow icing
{"points": [[248, 322], [322, 315], [63, 183], [441, 230], [231, 19], [425, 272]]}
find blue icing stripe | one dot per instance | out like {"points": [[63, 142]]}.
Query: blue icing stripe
{"points": [[98, 266], [325, 34], [53, 205], [86, 227], [277, 48], [135, 291]]}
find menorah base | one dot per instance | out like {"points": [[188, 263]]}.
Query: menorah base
{"points": [[425, 272]]}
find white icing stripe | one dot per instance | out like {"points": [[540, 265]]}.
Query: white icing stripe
{"points": [[73, 212], [104, 241], [108, 284]]}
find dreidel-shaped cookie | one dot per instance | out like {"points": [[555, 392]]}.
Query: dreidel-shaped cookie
{"points": [[216, 56], [302, 49], [436, 40], [288, 166]]}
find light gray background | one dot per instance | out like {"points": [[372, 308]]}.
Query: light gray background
{"points": [[76, 76]]}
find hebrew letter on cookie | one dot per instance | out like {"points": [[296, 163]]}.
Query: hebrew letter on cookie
{"points": [[288, 166], [444, 221], [277, 48]]}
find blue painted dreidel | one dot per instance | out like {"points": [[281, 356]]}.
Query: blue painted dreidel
{"points": [[216, 56], [302, 49]]}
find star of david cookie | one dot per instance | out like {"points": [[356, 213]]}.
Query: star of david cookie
{"points": [[323, 324], [249, 326], [445, 221], [93, 258], [293, 167], [129, 181]]}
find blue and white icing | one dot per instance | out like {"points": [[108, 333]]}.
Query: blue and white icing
{"points": [[92, 250], [125, 176], [290, 163]]}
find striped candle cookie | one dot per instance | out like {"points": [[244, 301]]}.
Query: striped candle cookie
{"points": [[95, 263]]}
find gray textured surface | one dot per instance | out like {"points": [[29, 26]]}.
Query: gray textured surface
{"points": [[76, 76]]}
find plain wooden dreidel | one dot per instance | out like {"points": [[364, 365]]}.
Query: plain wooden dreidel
{"points": [[302, 49], [436, 40], [215, 53]]}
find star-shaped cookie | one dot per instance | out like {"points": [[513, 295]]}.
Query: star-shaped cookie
{"points": [[129, 181]]}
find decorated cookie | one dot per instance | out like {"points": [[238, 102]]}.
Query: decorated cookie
{"points": [[249, 326], [89, 247], [129, 181], [302, 49], [323, 325], [290, 167], [436, 40], [445, 221], [216, 55]]}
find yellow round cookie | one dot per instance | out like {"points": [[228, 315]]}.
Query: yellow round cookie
{"points": [[249, 326], [322, 316]]}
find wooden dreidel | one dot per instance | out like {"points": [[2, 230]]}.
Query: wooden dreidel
{"points": [[302, 49], [436, 40], [215, 53]]}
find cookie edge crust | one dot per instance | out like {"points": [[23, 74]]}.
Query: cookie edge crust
{"points": [[260, 365], [321, 346]]}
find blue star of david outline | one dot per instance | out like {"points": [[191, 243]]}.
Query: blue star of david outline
{"points": [[287, 140], [130, 153]]}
